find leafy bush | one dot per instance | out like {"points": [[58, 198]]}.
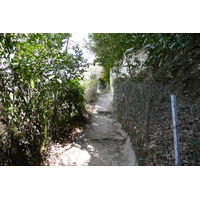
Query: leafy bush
{"points": [[39, 91], [111, 49], [90, 86]]}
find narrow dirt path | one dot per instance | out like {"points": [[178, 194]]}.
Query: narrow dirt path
{"points": [[103, 142]]}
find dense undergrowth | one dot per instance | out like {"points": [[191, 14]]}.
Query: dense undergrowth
{"points": [[40, 94], [145, 114], [179, 75]]}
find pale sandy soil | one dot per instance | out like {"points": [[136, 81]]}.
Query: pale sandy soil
{"points": [[103, 142]]}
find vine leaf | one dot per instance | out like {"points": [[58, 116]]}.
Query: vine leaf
{"points": [[32, 83]]}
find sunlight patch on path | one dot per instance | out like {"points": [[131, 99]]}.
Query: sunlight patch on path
{"points": [[69, 156], [103, 142]]}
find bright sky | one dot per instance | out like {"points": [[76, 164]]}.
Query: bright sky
{"points": [[81, 38]]}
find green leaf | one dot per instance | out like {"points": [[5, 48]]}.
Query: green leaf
{"points": [[3, 60], [32, 83], [59, 80], [164, 38], [147, 45], [11, 96], [52, 76], [11, 56], [129, 50]]}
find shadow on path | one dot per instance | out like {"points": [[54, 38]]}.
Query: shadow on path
{"points": [[103, 142]]}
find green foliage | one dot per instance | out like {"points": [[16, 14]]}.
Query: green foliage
{"points": [[109, 49], [105, 75], [39, 90], [90, 85], [112, 48]]}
